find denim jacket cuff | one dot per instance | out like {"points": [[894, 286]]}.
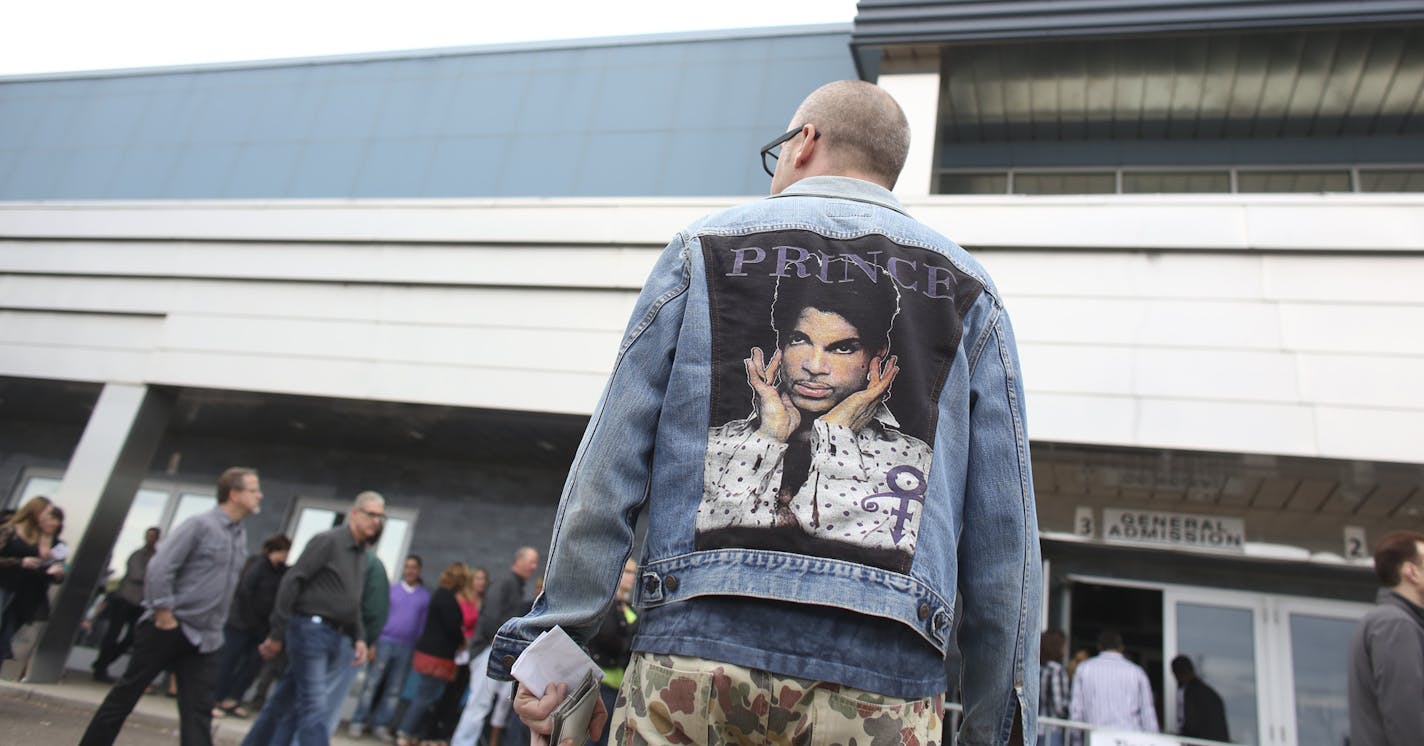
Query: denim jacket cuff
{"points": [[503, 653]]}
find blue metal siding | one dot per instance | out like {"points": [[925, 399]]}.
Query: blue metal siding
{"points": [[885, 22], [640, 118]]}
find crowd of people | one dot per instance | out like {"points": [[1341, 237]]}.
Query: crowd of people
{"points": [[194, 608], [226, 627], [1108, 690]]}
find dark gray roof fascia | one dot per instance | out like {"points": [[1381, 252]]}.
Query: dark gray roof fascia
{"points": [[887, 22], [681, 37]]}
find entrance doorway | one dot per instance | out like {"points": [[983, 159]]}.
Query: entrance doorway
{"points": [[1277, 661], [1134, 612]]}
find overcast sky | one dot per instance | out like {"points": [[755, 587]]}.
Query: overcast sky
{"points": [[62, 35]]}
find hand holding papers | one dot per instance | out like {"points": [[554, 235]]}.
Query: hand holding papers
{"points": [[554, 658]]}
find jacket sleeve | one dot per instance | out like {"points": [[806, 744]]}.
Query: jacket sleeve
{"points": [[424, 614], [1060, 692], [1000, 571], [1193, 713], [1395, 651], [609, 645], [266, 579], [158, 588], [375, 598], [314, 557], [501, 604], [445, 616], [7, 533], [608, 482]]}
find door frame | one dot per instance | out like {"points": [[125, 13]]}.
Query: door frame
{"points": [[1280, 608], [1260, 645], [1275, 705]]}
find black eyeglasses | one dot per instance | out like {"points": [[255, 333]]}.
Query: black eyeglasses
{"points": [[773, 149], [373, 516]]}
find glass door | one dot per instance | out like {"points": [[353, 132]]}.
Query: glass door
{"points": [[1312, 650], [1223, 635]]}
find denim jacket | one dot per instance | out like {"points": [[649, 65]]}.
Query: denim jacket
{"points": [[836, 552]]}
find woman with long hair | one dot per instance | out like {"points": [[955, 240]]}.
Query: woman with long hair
{"points": [[434, 658], [27, 565], [445, 715]]}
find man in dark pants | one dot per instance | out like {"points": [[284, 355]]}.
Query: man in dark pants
{"points": [[189, 587], [489, 699], [123, 608], [1200, 712], [317, 621]]}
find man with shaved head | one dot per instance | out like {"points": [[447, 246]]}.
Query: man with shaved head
{"points": [[817, 407]]}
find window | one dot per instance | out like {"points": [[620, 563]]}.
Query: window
{"points": [[1183, 180], [311, 516], [1064, 182], [155, 504], [34, 484], [1392, 179], [1290, 180], [974, 183], [1175, 182]]}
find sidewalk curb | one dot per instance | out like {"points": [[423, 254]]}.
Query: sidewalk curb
{"points": [[42, 693]]}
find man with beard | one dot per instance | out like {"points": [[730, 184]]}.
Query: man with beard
{"points": [[189, 587]]}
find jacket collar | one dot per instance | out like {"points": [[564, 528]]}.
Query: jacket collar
{"points": [[843, 187], [1387, 596]]}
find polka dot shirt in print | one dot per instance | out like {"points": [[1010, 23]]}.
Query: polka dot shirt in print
{"points": [[862, 487]]}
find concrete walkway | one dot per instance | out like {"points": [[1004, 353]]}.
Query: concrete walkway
{"points": [[74, 700]]}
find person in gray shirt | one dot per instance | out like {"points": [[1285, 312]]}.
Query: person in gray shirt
{"points": [[317, 620], [187, 592], [1387, 649], [123, 608]]}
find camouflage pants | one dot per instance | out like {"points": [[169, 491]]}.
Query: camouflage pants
{"points": [[671, 699]]}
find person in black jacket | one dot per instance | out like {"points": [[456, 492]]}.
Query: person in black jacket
{"points": [[612, 645], [434, 658], [247, 624], [1202, 714]]}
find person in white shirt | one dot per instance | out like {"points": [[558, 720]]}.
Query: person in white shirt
{"points": [[1110, 690]]}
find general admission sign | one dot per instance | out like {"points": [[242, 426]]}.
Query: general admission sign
{"points": [[1183, 530]]}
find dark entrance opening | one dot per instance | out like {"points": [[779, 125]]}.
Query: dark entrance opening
{"points": [[1134, 612]]}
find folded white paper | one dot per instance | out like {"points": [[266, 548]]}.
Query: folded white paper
{"points": [[552, 658]]}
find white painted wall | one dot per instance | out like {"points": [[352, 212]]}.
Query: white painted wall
{"points": [[1270, 324]]}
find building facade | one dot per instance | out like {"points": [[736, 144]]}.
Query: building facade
{"points": [[410, 272]]}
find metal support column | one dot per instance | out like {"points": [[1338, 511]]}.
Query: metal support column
{"points": [[106, 470]]}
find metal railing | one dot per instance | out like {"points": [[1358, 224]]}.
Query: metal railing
{"points": [[1071, 732]]}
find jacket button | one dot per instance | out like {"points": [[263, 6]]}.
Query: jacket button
{"points": [[924, 612], [650, 585], [671, 583], [508, 661]]}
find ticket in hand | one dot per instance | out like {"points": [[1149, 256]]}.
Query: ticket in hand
{"points": [[554, 658]]}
